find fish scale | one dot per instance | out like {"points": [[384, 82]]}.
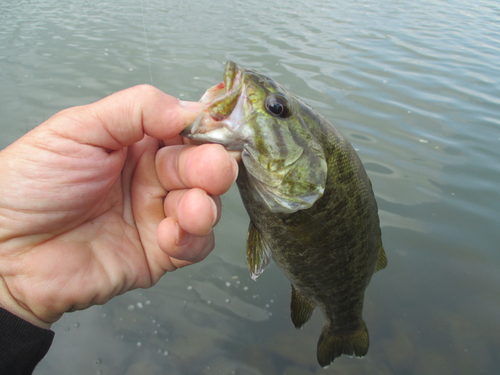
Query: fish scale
{"points": [[315, 215]]}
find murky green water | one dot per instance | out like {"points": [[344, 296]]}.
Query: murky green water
{"points": [[415, 87]]}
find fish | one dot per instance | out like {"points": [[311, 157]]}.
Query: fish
{"points": [[311, 204]]}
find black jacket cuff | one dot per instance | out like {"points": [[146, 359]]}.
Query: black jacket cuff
{"points": [[22, 344]]}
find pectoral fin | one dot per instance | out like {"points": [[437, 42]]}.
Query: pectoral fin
{"points": [[258, 252], [301, 308], [381, 260]]}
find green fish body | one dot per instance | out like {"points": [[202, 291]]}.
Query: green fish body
{"points": [[311, 204]]}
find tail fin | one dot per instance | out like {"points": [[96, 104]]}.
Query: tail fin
{"points": [[333, 344]]}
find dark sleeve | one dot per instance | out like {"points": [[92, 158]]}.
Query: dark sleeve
{"points": [[22, 345]]}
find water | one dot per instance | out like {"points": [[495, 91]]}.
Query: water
{"points": [[415, 87]]}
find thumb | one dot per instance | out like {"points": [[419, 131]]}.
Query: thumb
{"points": [[123, 118]]}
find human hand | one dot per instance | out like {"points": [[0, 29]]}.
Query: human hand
{"points": [[84, 209]]}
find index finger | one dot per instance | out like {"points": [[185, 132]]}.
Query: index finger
{"points": [[123, 118]]}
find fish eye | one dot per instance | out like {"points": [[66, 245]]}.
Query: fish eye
{"points": [[278, 106]]}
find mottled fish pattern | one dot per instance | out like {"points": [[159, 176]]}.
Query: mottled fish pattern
{"points": [[311, 204]]}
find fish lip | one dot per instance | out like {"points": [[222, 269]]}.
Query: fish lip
{"points": [[233, 77], [221, 107], [229, 74], [221, 100]]}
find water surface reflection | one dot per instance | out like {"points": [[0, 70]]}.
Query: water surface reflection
{"points": [[414, 86]]}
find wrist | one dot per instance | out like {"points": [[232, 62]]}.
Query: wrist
{"points": [[12, 305]]}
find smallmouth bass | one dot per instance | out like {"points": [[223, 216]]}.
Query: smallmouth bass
{"points": [[311, 204]]}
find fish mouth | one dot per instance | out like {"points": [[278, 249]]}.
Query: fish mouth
{"points": [[232, 73], [222, 107], [221, 100]]}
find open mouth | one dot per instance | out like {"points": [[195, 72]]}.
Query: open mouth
{"points": [[232, 73], [225, 95], [221, 100]]}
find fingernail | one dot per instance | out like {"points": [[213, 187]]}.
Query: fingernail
{"points": [[236, 155], [182, 235], [194, 107], [235, 167], [214, 211]]}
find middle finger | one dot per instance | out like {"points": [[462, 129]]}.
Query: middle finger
{"points": [[208, 167]]}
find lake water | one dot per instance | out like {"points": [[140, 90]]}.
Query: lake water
{"points": [[413, 85]]}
